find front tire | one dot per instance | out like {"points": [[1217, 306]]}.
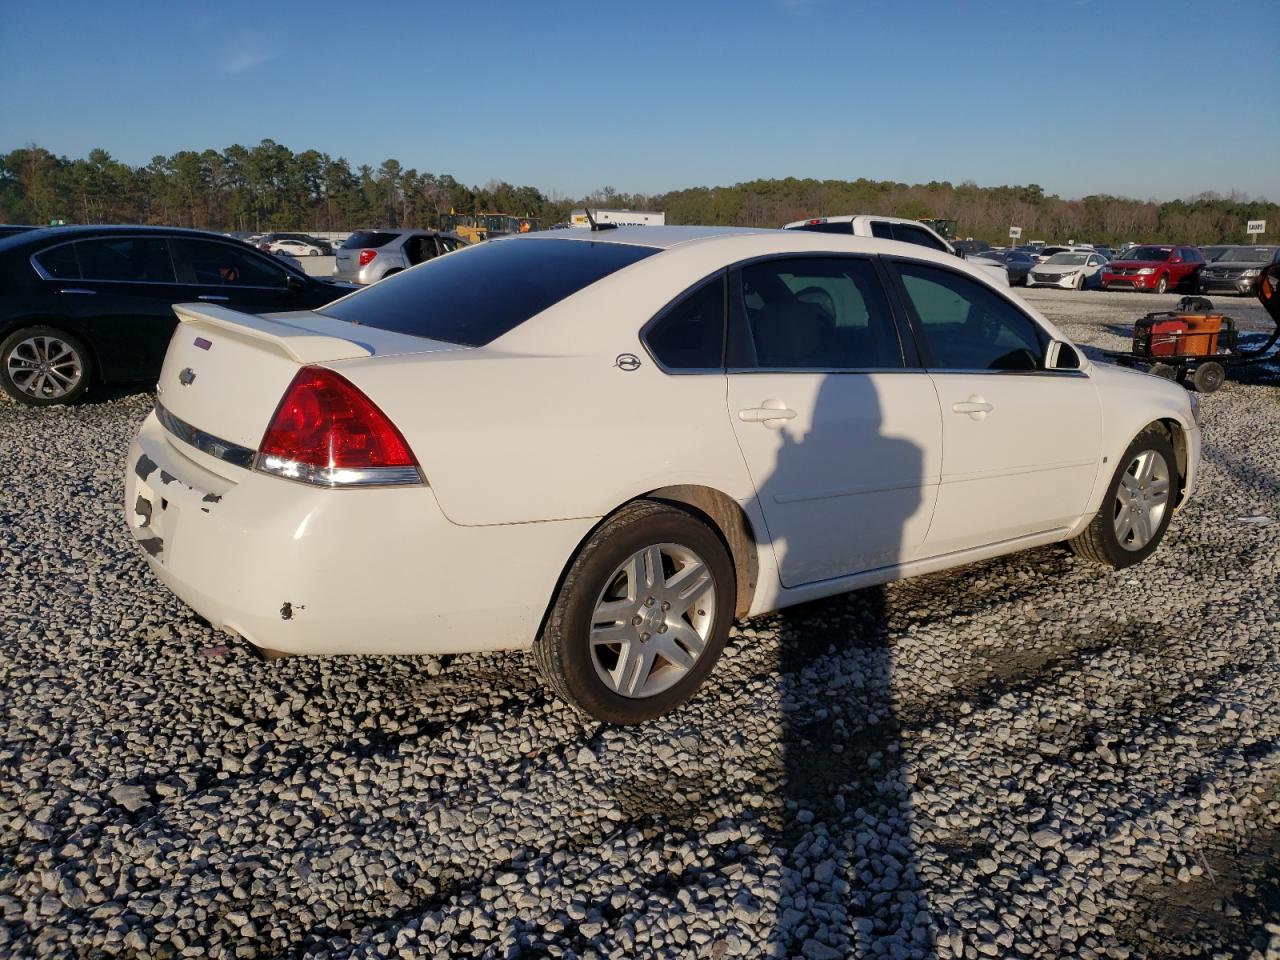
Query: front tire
{"points": [[642, 615], [1137, 507], [42, 366], [1162, 284]]}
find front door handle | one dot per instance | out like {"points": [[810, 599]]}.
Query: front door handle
{"points": [[771, 413], [213, 298], [975, 407], [83, 291]]}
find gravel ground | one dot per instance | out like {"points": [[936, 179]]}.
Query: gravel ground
{"points": [[1025, 757]]}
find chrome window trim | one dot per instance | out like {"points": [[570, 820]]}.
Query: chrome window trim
{"points": [[232, 453], [45, 275]]}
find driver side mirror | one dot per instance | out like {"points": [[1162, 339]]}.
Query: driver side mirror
{"points": [[294, 283], [1269, 290], [1061, 356]]}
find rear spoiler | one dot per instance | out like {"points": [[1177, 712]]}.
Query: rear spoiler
{"points": [[302, 345]]}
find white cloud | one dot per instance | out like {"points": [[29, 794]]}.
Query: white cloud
{"points": [[244, 56]]}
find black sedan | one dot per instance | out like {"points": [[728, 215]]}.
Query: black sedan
{"points": [[88, 305], [1017, 262]]}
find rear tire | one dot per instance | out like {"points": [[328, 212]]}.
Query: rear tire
{"points": [[1102, 541], [1165, 370], [610, 592], [43, 366]]}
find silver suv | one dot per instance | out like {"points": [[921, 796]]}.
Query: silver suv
{"points": [[369, 255]]}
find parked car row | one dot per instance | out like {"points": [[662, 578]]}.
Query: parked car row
{"points": [[369, 255]]}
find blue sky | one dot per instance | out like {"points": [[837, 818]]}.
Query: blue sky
{"points": [[1079, 96]]}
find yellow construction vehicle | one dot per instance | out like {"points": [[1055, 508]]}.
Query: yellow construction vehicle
{"points": [[474, 227]]}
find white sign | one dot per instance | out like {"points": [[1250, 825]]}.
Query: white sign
{"points": [[1015, 233], [1256, 226]]}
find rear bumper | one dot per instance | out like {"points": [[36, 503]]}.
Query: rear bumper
{"points": [[313, 571]]}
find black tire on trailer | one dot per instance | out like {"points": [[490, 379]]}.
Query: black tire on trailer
{"points": [[1165, 370], [612, 612], [1106, 540], [1208, 377]]}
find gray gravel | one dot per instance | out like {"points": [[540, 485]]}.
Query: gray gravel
{"points": [[1023, 758]]}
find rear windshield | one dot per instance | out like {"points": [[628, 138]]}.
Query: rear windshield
{"points": [[478, 294], [362, 239], [1149, 253], [838, 226]]}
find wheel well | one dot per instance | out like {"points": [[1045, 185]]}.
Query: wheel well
{"points": [[730, 521], [720, 511], [1177, 437]]}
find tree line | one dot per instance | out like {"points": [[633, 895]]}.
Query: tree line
{"points": [[270, 187]]}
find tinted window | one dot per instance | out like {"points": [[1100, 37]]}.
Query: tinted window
{"points": [[486, 290], [917, 235], [690, 335], [812, 312], [881, 229], [362, 239], [137, 259], [841, 226], [211, 263], [968, 326], [1149, 253], [60, 262]]}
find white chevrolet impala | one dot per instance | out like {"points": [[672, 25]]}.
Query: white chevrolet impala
{"points": [[608, 445]]}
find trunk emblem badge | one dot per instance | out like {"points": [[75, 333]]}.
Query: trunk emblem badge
{"points": [[203, 344], [187, 377]]}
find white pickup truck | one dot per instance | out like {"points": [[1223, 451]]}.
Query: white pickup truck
{"points": [[894, 228]]}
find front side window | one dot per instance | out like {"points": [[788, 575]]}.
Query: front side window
{"points": [[60, 262], [803, 313], [486, 290], [968, 326], [690, 334], [210, 263], [134, 259]]}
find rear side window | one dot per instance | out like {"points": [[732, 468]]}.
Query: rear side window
{"points": [[882, 229], [363, 239], [690, 335], [60, 262], [134, 259], [484, 291], [917, 235]]}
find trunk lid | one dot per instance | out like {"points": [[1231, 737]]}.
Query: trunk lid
{"points": [[225, 373]]}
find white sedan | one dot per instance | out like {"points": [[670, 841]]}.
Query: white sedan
{"points": [[1071, 271], [295, 248], [608, 445]]}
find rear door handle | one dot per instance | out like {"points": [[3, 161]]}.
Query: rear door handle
{"points": [[83, 291], [975, 407], [771, 413], [213, 298]]}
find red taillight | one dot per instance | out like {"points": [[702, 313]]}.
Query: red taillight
{"points": [[326, 431], [366, 256], [812, 223]]}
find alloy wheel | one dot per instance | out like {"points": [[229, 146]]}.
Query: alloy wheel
{"points": [[45, 367], [1141, 500], [652, 621]]}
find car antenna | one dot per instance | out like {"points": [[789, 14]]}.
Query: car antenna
{"points": [[598, 226]]}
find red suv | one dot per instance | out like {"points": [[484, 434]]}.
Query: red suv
{"points": [[1154, 268]]}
